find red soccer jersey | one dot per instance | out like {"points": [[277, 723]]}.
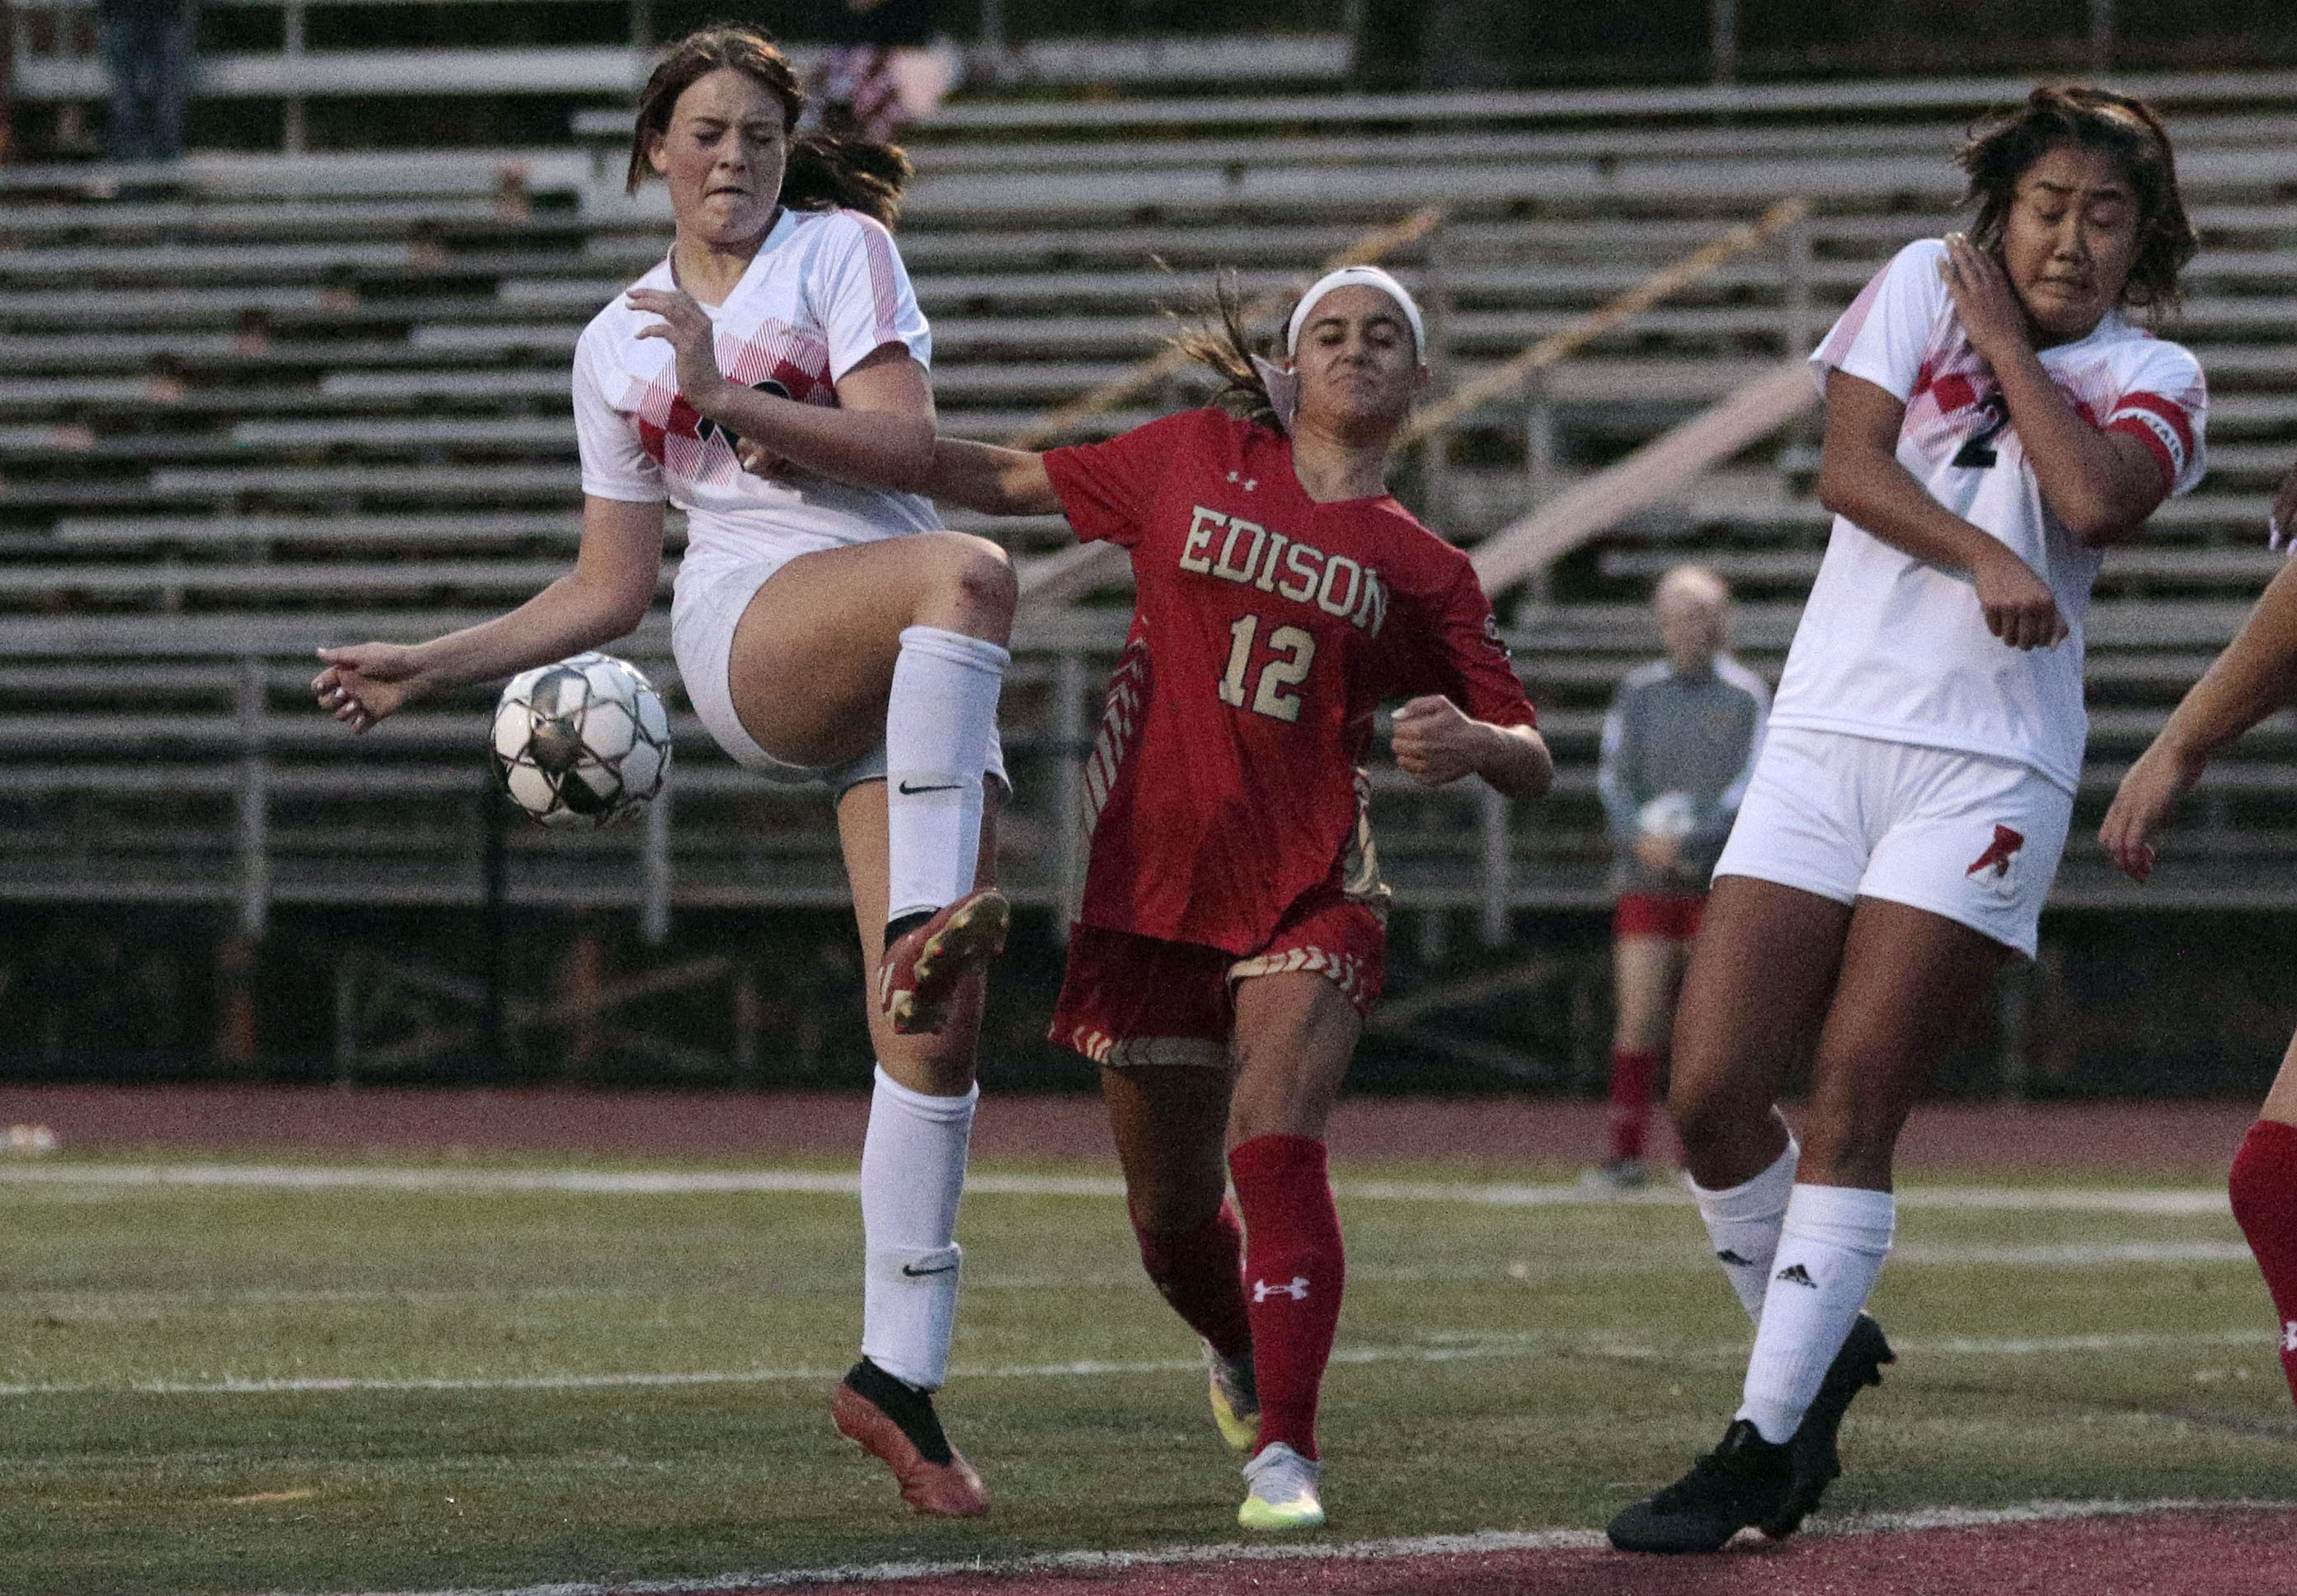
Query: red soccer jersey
{"points": [[1267, 629]]}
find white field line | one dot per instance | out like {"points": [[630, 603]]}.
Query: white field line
{"points": [[1662, 1259], [1483, 1543], [1463, 1349], [420, 1181]]}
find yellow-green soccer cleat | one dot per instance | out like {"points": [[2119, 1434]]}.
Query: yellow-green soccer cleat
{"points": [[1236, 1405], [1283, 1494]]}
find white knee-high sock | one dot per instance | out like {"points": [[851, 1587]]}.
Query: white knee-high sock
{"points": [[1830, 1251], [912, 1174], [1743, 1224], [939, 719]]}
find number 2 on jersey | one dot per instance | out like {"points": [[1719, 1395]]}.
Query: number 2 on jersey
{"points": [[1297, 648]]}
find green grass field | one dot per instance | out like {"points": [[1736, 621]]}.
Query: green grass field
{"points": [[511, 1412]]}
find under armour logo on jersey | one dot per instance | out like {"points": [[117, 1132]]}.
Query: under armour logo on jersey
{"points": [[1296, 1289], [1795, 1274], [2289, 1336], [1992, 867]]}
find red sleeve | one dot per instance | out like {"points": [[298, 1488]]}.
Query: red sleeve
{"points": [[1468, 661], [1107, 490]]}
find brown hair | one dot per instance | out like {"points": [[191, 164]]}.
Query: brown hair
{"points": [[2129, 130], [825, 172], [1220, 340]]}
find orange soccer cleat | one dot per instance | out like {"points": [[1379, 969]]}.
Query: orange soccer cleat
{"points": [[895, 1424], [918, 977]]}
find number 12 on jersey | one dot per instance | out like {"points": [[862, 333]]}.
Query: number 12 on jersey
{"points": [[1293, 650]]}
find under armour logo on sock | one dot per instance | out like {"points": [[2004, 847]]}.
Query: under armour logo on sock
{"points": [[1727, 1256], [2289, 1336], [1795, 1274], [1298, 1290]]}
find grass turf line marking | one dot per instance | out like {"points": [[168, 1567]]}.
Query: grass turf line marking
{"points": [[1482, 1543], [1461, 1350], [419, 1182]]}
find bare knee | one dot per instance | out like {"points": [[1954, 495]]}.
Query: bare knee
{"points": [[1704, 1118], [974, 590], [1850, 1145], [1171, 1207]]}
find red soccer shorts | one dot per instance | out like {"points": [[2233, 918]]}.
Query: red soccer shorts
{"points": [[1671, 914], [1128, 1000]]}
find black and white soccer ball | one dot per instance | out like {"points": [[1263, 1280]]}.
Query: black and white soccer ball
{"points": [[582, 743]]}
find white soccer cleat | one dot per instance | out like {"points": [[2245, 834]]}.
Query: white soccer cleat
{"points": [[1283, 1493]]}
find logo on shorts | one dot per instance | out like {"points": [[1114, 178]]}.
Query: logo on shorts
{"points": [[1992, 867], [1296, 1288]]}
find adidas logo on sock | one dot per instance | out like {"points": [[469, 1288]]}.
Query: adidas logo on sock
{"points": [[1795, 1274], [1727, 1256]]}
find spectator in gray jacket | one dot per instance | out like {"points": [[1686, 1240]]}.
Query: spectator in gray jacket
{"points": [[147, 50], [1678, 747]]}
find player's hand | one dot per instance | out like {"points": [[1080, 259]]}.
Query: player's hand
{"points": [[2283, 524], [2019, 607], [688, 330], [759, 460], [369, 682], [1986, 305], [1658, 854], [2142, 803], [1435, 742]]}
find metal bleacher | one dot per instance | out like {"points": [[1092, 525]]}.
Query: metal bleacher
{"points": [[288, 401]]}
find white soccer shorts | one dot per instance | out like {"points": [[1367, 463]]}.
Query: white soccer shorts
{"points": [[704, 611], [1965, 836]]}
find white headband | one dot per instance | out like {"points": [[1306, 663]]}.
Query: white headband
{"points": [[1357, 276], [1283, 385]]}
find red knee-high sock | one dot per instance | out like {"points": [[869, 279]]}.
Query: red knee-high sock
{"points": [[1293, 1275], [1632, 1073], [2264, 1190], [1199, 1273]]}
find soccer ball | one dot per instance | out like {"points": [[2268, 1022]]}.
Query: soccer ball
{"points": [[582, 743], [1673, 816]]}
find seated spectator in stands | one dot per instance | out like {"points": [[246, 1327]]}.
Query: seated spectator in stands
{"points": [[882, 71], [147, 50]]}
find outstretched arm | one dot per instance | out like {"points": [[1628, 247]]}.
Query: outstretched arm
{"points": [[604, 597], [1437, 743], [2103, 485], [2256, 674], [993, 481]]}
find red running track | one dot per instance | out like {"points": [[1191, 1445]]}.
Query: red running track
{"points": [[2192, 1140], [2213, 1552]]}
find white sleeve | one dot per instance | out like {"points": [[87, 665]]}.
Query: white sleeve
{"points": [[615, 463], [2164, 405], [860, 293], [1885, 334]]}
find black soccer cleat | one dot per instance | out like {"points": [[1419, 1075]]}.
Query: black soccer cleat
{"points": [[1816, 1462], [1743, 1482]]}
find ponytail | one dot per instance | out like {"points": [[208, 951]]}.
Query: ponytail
{"points": [[1222, 344], [828, 172]]}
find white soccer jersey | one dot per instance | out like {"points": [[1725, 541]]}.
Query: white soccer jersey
{"points": [[826, 289], [1891, 647]]}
